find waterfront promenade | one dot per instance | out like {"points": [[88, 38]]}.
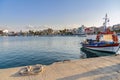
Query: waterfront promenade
{"points": [[101, 68]]}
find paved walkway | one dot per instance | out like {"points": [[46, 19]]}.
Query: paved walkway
{"points": [[102, 68]]}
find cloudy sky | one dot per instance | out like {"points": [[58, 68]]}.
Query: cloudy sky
{"points": [[57, 14]]}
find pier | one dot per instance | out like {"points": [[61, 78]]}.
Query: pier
{"points": [[100, 68]]}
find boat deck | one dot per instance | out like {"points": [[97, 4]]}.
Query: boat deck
{"points": [[100, 68]]}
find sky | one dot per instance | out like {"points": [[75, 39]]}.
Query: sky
{"points": [[57, 14]]}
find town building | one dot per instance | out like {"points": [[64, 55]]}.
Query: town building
{"points": [[90, 30], [116, 27], [81, 30]]}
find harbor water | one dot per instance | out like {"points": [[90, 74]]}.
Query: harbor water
{"points": [[22, 51]]}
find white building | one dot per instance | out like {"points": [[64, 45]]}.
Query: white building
{"points": [[116, 27], [5, 31], [81, 30]]}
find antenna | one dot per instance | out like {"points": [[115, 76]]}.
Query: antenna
{"points": [[105, 23]]}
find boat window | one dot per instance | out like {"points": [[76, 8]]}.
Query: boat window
{"points": [[107, 37]]}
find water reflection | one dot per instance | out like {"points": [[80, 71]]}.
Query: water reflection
{"points": [[87, 53]]}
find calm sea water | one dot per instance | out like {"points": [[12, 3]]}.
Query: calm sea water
{"points": [[22, 51]]}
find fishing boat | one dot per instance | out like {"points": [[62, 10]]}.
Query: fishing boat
{"points": [[106, 41]]}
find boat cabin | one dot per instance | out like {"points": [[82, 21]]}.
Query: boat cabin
{"points": [[108, 36]]}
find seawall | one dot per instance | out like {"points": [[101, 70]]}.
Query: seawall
{"points": [[100, 68]]}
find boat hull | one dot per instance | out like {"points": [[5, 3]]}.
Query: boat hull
{"points": [[95, 53], [111, 48]]}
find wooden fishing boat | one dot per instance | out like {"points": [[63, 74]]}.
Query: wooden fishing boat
{"points": [[106, 41]]}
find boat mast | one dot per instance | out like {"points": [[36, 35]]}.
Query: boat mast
{"points": [[105, 23]]}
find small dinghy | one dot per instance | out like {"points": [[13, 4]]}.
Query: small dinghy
{"points": [[31, 70]]}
